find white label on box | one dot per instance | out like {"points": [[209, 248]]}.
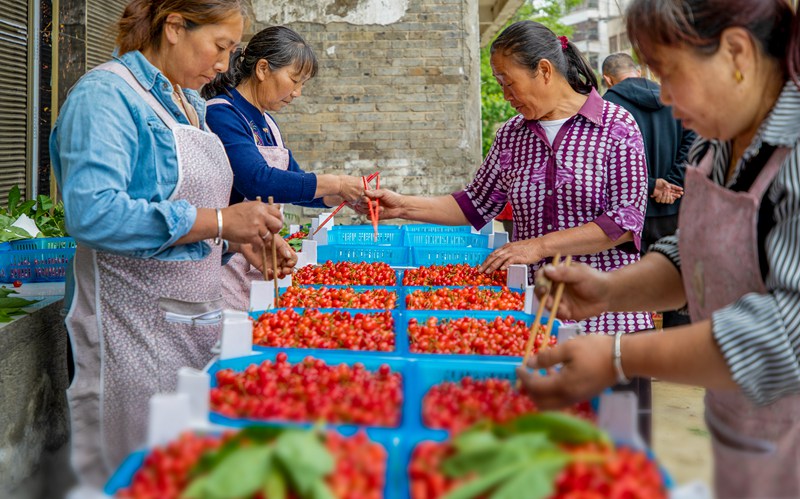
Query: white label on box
{"points": [[617, 415], [517, 276], [196, 384], [531, 302], [498, 239], [262, 295], [170, 415], [237, 335]]}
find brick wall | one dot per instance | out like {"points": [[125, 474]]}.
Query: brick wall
{"points": [[402, 97]]}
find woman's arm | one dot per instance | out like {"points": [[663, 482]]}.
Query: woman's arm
{"points": [[443, 210], [686, 354]]}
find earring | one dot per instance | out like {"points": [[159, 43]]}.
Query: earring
{"points": [[738, 76]]}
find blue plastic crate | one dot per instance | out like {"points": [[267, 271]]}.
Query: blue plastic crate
{"points": [[37, 265], [442, 255], [489, 315], [43, 243], [436, 228], [397, 290], [399, 343], [330, 357], [388, 235], [396, 467], [407, 290], [458, 239], [393, 255]]}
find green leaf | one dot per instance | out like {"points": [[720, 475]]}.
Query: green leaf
{"points": [[482, 484], [320, 490], [241, 474], [25, 208], [530, 483], [472, 441], [14, 196], [305, 458], [559, 426], [6, 302], [275, 484], [196, 489], [44, 203], [210, 460]]}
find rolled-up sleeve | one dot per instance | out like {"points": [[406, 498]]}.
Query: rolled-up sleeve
{"points": [[97, 151], [626, 191]]}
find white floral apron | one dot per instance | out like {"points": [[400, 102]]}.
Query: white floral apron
{"points": [[238, 274], [756, 449], [126, 348]]}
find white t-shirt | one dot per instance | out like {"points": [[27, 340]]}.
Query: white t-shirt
{"points": [[551, 128]]}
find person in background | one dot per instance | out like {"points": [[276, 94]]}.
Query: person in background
{"points": [[571, 165], [265, 77], [666, 144], [730, 69], [145, 188]]}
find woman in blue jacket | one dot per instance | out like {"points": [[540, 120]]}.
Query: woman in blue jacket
{"points": [[265, 77]]}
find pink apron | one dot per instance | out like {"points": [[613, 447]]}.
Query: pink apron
{"points": [[238, 273], [135, 322], [756, 449]]}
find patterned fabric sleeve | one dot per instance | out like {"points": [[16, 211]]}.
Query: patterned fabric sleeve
{"points": [[626, 189], [759, 335], [485, 197]]}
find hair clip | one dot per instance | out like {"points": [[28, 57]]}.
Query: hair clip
{"points": [[564, 41]]}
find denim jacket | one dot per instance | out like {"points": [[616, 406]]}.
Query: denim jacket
{"points": [[116, 165]]}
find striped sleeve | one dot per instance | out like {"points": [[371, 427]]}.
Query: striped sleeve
{"points": [[759, 335]]}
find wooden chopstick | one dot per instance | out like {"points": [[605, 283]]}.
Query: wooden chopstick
{"points": [[263, 254], [274, 262], [556, 302], [535, 324]]}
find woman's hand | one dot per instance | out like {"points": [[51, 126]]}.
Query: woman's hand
{"points": [[351, 189], [586, 370], [250, 222], [287, 258], [392, 204], [526, 251], [586, 290]]}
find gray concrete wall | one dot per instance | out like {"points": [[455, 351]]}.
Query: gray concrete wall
{"points": [[398, 90], [34, 423]]}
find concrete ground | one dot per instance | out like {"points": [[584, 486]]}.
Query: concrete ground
{"points": [[680, 437]]}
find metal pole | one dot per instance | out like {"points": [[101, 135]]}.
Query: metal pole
{"points": [[34, 57], [55, 36]]}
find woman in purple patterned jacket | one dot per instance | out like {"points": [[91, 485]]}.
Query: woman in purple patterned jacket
{"points": [[571, 164]]}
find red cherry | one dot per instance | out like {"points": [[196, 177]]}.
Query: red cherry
{"points": [[17, 284]]}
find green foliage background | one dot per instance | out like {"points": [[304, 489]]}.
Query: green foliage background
{"points": [[494, 109]]}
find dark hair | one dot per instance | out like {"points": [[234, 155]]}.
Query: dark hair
{"points": [[278, 45], [528, 42], [700, 23], [619, 63], [142, 21]]}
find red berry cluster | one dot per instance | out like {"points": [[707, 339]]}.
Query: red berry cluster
{"points": [[300, 234], [460, 274], [457, 406], [338, 298], [375, 273], [596, 474], [623, 473], [310, 391], [360, 469], [471, 298], [330, 330], [502, 336], [165, 471]]}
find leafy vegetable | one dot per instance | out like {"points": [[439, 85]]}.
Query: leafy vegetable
{"points": [[12, 306], [48, 217], [521, 458], [275, 461]]}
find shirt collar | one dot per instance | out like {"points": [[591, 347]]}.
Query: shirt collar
{"points": [[150, 77], [782, 126], [592, 110], [250, 111]]}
